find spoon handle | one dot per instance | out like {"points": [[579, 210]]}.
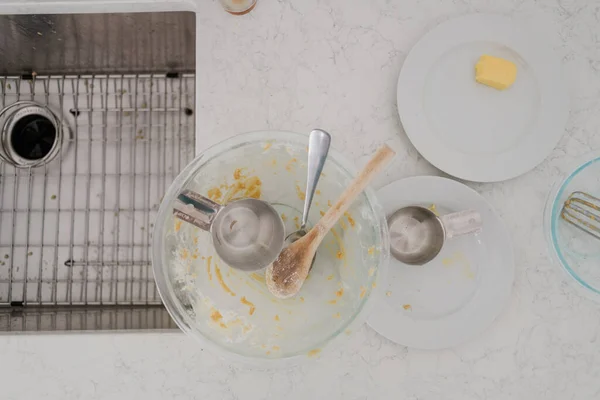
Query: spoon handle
{"points": [[373, 167], [318, 147]]}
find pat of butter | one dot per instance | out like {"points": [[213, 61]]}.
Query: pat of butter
{"points": [[495, 72]]}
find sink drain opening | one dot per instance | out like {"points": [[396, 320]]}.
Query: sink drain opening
{"points": [[33, 137], [31, 134]]}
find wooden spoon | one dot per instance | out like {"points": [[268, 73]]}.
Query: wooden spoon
{"points": [[288, 272]]}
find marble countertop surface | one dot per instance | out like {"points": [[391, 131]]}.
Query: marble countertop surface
{"points": [[298, 64]]}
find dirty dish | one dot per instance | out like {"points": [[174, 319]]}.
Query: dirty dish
{"points": [[417, 234], [286, 275], [247, 234], [472, 131], [577, 251], [460, 293], [232, 312]]}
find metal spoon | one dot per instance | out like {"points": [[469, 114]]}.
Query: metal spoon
{"points": [[318, 148]]}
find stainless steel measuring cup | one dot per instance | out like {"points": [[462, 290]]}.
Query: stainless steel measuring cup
{"points": [[417, 234], [247, 234]]}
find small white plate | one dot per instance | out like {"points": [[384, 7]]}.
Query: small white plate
{"points": [[470, 130], [456, 296]]}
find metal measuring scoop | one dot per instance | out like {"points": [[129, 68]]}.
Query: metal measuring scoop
{"points": [[247, 234], [417, 235], [318, 148]]}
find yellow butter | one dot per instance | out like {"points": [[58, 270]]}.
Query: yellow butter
{"points": [[495, 72]]}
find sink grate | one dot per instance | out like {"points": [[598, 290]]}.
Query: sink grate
{"points": [[76, 231]]}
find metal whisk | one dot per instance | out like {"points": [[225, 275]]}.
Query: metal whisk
{"points": [[583, 211]]}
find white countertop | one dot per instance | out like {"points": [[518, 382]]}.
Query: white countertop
{"points": [[295, 65]]}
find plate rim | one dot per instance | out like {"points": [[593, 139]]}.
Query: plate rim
{"points": [[427, 145], [510, 267]]}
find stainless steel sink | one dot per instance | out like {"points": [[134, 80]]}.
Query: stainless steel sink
{"points": [[96, 120]]}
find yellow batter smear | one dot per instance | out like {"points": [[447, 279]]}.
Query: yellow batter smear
{"points": [[330, 277], [283, 217], [208, 260], [363, 291], [237, 174], [276, 318], [242, 187], [215, 194], [290, 165], [374, 285], [407, 307], [297, 222], [388, 293], [350, 219], [322, 213], [371, 250], [332, 301], [342, 250], [216, 316], [343, 224], [184, 254], [178, 225], [371, 271], [301, 195], [275, 348], [221, 281], [314, 352], [302, 299], [249, 304], [340, 292], [318, 192], [337, 315], [267, 146], [257, 277]]}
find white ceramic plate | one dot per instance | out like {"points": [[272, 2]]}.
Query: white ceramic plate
{"points": [[470, 130], [456, 296]]}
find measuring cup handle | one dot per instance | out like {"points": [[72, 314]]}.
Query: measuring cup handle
{"points": [[461, 223], [196, 209]]}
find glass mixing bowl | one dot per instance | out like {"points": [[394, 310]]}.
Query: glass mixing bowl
{"points": [[575, 250], [232, 311]]}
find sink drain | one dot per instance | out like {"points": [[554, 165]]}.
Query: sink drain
{"points": [[31, 134]]}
